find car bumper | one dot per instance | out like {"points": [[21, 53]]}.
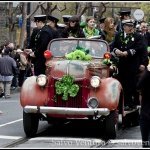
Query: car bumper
{"points": [[67, 111]]}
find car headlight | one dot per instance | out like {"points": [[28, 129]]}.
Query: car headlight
{"points": [[92, 102], [41, 80], [95, 81]]}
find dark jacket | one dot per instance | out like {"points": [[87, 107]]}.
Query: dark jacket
{"points": [[42, 39], [131, 63], [146, 38], [32, 38], [75, 32], [144, 85]]}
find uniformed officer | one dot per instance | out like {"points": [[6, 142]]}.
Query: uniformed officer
{"points": [[129, 47], [66, 19], [52, 23], [42, 38], [32, 38], [124, 15]]}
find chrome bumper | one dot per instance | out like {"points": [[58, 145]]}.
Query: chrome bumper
{"points": [[67, 111]]}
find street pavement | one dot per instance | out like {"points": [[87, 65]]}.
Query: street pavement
{"points": [[68, 136]]}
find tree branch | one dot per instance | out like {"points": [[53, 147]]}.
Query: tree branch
{"points": [[55, 7], [62, 8], [37, 7], [83, 11]]}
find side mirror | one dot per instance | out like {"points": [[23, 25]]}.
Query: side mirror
{"points": [[47, 54]]}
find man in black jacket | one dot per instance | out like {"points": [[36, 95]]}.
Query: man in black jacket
{"points": [[41, 41], [131, 51]]}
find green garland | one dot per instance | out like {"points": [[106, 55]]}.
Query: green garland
{"points": [[66, 87], [127, 38]]}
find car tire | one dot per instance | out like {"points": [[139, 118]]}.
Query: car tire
{"points": [[111, 125], [30, 124]]}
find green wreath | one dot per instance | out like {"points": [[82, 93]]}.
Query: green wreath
{"points": [[66, 87]]}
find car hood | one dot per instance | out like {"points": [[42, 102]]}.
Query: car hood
{"points": [[75, 68]]}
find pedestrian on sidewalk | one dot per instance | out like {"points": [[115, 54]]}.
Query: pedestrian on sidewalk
{"points": [[8, 68]]}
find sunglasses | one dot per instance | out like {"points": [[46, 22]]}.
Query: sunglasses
{"points": [[73, 21]]}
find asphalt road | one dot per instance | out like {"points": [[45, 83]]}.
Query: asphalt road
{"points": [[76, 134]]}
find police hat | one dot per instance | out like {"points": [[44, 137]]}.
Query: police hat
{"points": [[129, 22], [52, 18], [74, 18], [102, 20], [61, 25], [125, 13], [39, 18], [66, 18]]}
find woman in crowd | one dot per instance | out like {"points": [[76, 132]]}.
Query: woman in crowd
{"points": [[109, 30], [90, 28], [73, 30]]}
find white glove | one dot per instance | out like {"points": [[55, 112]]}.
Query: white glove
{"points": [[148, 67]]}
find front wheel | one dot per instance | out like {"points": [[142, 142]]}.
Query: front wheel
{"points": [[111, 125], [30, 124]]}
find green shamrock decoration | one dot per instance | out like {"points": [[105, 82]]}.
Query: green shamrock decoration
{"points": [[127, 39], [66, 87]]}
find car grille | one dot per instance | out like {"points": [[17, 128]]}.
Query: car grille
{"points": [[74, 102]]}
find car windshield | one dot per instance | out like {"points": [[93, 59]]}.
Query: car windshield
{"points": [[96, 48]]}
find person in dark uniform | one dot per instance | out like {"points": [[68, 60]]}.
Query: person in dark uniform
{"points": [[32, 38], [52, 23], [66, 19], [129, 48], [42, 38], [143, 85], [124, 15], [60, 28]]}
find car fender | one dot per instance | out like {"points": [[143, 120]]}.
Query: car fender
{"points": [[32, 94], [108, 94]]}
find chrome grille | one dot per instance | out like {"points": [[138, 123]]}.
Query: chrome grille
{"points": [[74, 102]]}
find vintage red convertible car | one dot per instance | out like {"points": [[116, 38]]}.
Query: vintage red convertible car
{"points": [[77, 84]]}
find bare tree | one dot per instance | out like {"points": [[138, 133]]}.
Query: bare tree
{"points": [[50, 8], [11, 16], [24, 22]]}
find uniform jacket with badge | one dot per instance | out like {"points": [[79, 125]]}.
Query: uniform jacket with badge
{"points": [[136, 49], [43, 37]]}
